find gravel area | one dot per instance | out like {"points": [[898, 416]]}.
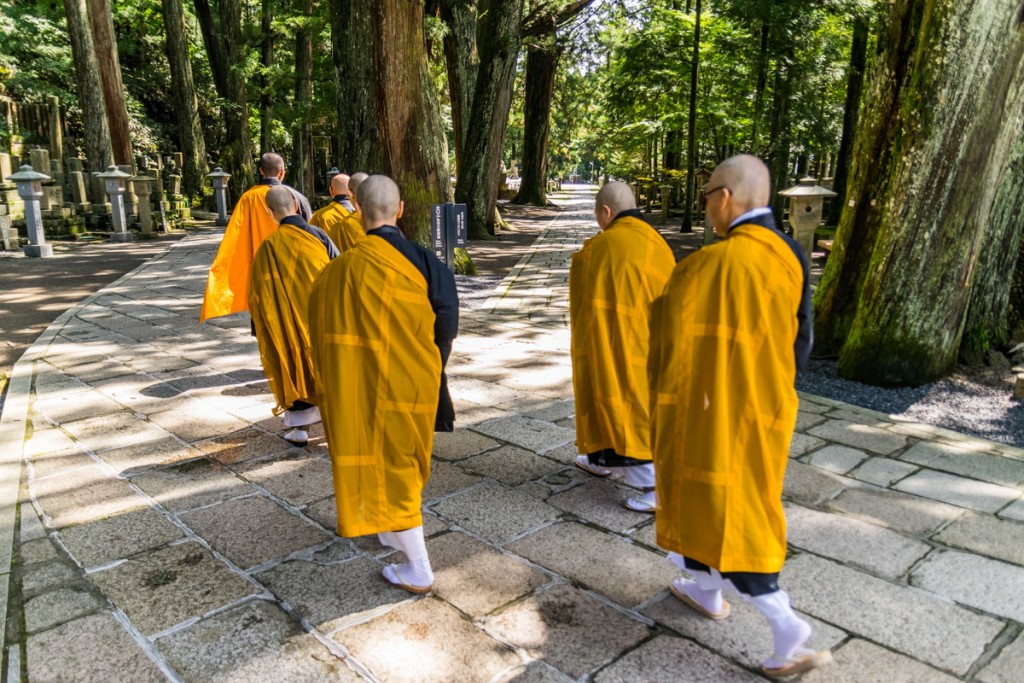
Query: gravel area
{"points": [[967, 401], [475, 290]]}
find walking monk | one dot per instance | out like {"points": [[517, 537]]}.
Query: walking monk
{"points": [[612, 282], [383, 317], [343, 225], [340, 205], [727, 338], [227, 287], [283, 271]]}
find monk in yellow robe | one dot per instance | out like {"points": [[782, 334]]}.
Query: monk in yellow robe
{"points": [[727, 338], [227, 286], [283, 271], [338, 208], [346, 230], [382, 320], [612, 281]]}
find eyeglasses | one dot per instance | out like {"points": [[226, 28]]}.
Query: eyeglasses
{"points": [[707, 193]]}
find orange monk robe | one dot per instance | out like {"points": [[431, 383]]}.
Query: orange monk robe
{"points": [[346, 232], [722, 374], [378, 375], [227, 286], [328, 214], [283, 271], [612, 282]]}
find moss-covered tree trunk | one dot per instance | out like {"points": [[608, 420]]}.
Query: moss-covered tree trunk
{"points": [[939, 137], [409, 117], [498, 40], [88, 86], [110, 76], [302, 156], [190, 130], [854, 86], [266, 61], [352, 44], [541, 65]]}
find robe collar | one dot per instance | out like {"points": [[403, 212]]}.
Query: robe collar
{"points": [[760, 216], [269, 181], [629, 213], [295, 219], [385, 230], [340, 198]]}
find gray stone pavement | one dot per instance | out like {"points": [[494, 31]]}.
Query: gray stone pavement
{"points": [[157, 527]]}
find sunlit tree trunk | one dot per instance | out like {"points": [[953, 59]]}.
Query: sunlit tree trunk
{"points": [[190, 131], [266, 61], [541, 65], [88, 85], [461, 59], [302, 157], [105, 43], [854, 85], [935, 183], [238, 153], [409, 117]]}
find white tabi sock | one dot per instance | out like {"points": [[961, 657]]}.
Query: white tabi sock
{"points": [[640, 476], [301, 418], [789, 630], [417, 571], [705, 588]]}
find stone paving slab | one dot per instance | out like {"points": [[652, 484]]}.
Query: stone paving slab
{"points": [[858, 661], [119, 536], [510, 465], [64, 604], [255, 641], [533, 435], [1007, 666], [668, 660], [194, 484], [996, 469], [862, 436], [495, 513], [927, 628], [424, 641], [991, 536], [96, 648], [601, 502], [967, 493], [988, 585], [568, 629]]}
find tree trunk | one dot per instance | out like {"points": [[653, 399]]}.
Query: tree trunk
{"points": [[854, 85], [409, 117], [759, 88], [498, 39], [90, 89], [781, 132], [266, 61], [541, 65], [691, 155], [462, 61], [352, 40], [237, 156], [302, 158], [214, 49], [102, 23], [190, 130], [935, 183]]}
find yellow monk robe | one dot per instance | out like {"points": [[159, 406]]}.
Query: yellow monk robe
{"points": [[227, 287], [346, 232], [283, 271], [378, 376], [328, 215], [612, 282], [722, 374]]}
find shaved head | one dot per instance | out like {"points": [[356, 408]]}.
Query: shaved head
{"points": [[271, 165], [339, 184], [617, 196], [354, 182], [747, 178], [380, 200], [281, 202]]}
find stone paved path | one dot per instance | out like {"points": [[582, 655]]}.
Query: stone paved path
{"points": [[159, 528]]}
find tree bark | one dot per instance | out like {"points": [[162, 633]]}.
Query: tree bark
{"points": [[461, 59], [214, 49], [854, 85], [266, 61], [408, 115], [934, 183], [105, 44], [237, 155], [759, 88], [541, 65], [90, 89], [352, 40], [302, 158], [498, 39], [190, 130], [781, 133], [691, 154]]}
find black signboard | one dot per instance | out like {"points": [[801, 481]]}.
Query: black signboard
{"points": [[448, 230]]}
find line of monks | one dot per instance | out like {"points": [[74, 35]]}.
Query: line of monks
{"points": [[683, 374]]}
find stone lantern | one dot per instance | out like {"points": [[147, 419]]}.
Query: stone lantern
{"points": [[331, 173], [219, 179], [805, 204], [114, 184], [30, 189], [144, 190]]}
